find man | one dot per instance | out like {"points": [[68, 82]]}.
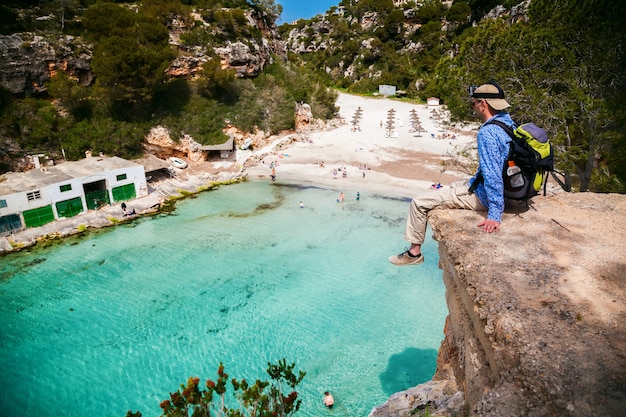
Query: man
{"points": [[484, 191], [329, 401]]}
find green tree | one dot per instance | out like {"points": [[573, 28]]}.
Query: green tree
{"points": [[103, 135], [323, 102], [130, 57], [459, 12], [392, 29], [165, 11], [104, 20], [72, 96], [593, 32], [430, 11], [270, 7], [9, 21], [34, 123]]}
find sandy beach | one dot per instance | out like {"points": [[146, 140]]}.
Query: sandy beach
{"points": [[400, 164]]}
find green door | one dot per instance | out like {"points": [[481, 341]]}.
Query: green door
{"points": [[96, 199], [124, 193], [69, 208], [38, 217]]}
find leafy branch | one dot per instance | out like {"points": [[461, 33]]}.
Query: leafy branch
{"points": [[275, 398]]}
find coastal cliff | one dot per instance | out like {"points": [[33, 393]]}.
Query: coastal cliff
{"points": [[536, 313]]}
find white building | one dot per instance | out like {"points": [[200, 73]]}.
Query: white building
{"points": [[39, 196], [433, 101], [387, 90]]}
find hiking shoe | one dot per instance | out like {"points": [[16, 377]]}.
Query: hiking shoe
{"points": [[405, 259]]}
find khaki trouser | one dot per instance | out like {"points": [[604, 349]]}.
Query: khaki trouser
{"points": [[457, 196]]}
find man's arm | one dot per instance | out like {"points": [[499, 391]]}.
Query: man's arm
{"points": [[491, 161]]}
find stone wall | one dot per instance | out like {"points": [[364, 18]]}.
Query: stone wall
{"points": [[536, 313]]}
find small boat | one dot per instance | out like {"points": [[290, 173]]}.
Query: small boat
{"points": [[177, 162], [246, 144]]}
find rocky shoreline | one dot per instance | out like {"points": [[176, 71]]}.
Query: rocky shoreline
{"points": [[112, 215]]}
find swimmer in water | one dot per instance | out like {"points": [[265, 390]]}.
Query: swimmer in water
{"points": [[329, 401]]}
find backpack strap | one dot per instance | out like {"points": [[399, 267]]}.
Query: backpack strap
{"points": [[504, 126]]}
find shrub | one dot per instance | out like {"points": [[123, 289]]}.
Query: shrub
{"points": [[277, 397]]}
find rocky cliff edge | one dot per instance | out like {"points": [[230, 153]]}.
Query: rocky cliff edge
{"points": [[536, 323]]}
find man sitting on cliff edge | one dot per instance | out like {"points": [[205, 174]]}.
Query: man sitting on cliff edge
{"points": [[487, 103]]}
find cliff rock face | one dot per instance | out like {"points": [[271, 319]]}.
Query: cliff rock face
{"points": [[246, 57], [517, 13], [304, 116], [29, 60], [159, 143], [537, 311], [239, 56]]}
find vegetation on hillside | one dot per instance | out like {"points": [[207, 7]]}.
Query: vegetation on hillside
{"points": [[562, 65], [132, 93]]}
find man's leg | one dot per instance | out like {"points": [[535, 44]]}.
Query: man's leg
{"points": [[455, 196]]}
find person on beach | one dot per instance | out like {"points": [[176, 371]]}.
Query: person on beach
{"points": [[483, 192], [340, 198], [329, 401]]}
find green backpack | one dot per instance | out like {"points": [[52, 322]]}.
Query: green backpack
{"points": [[531, 158]]}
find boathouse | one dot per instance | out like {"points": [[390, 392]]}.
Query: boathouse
{"points": [[42, 195]]}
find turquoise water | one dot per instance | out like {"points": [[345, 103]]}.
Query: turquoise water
{"points": [[115, 320]]}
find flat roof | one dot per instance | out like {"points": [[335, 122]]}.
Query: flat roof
{"points": [[15, 182], [151, 163], [226, 146]]}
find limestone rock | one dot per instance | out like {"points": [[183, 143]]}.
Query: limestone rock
{"points": [[432, 396], [159, 143], [537, 310], [304, 116], [517, 13], [186, 66], [29, 60], [239, 57]]}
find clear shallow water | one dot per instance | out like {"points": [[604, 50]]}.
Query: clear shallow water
{"points": [[116, 320]]}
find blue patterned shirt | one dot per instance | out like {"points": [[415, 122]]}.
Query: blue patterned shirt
{"points": [[493, 149]]}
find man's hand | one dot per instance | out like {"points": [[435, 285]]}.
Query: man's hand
{"points": [[489, 225]]}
